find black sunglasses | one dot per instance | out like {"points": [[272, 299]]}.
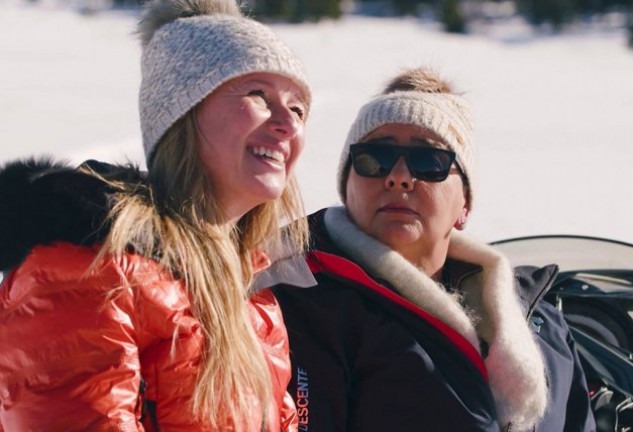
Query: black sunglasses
{"points": [[430, 164]]}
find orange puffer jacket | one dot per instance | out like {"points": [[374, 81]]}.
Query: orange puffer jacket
{"points": [[91, 351]]}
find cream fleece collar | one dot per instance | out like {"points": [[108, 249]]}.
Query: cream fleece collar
{"points": [[514, 362]]}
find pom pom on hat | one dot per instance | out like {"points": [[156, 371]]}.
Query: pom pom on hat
{"points": [[158, 13], [417, 97], [190, 48]]}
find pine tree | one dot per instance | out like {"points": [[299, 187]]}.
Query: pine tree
{"points": [[555, 12], [631, 29], [630, 23], [452, 18], [275, 9], [331, 8], [406, 7], [317, 9], [297, 10]]}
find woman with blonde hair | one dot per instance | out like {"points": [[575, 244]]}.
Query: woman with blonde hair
{"points": [[127, 302], [413, 326]]}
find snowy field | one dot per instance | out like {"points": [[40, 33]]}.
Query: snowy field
{"points": [[554, 114]]}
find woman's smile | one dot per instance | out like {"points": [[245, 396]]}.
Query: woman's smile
{"points": [[273, 156]]}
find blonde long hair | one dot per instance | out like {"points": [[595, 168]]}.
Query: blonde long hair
{"points": [[175, 221]]}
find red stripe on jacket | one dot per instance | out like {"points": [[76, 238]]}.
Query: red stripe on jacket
{"points": [[323, 261]]}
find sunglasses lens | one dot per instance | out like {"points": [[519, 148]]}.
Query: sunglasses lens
{"points": [[425, 163], [372, 160], [430, 164]]}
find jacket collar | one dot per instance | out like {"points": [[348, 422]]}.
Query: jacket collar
{"points": [[285, 266], [455, 271], [487, 308], [531, 283]]}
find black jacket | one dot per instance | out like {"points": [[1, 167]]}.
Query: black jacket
{"points": [[365, 359]]}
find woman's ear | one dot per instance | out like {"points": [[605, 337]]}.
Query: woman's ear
{"points": [[460, 224]]}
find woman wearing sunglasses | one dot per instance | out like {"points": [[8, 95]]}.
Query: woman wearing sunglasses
{"points": [[411, 325]]}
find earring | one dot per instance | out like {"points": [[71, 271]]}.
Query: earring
{"points": [[461, 222]]}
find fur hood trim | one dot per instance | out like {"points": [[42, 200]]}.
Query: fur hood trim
{"points": [[515, 364], [45, 201]]}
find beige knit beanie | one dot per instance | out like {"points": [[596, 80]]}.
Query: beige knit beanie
{"points": [[190, 48], [417, 97]]}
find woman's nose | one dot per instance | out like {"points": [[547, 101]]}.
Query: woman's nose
{"points": [[399, 177], [284, 122]]}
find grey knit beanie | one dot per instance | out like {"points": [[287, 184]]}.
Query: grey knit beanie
{"points": [[444, 113], [190, 48]]}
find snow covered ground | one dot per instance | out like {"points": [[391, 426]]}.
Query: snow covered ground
{"points": [[554, 114]]}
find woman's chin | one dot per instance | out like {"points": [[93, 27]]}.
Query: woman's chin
{"points": [[397, 235], [264, 192]]}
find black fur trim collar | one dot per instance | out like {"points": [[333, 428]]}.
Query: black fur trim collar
{"points": [[43, 201]]}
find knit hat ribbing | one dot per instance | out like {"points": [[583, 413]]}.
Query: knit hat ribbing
{"points": [[187, 58], [445, 114]]}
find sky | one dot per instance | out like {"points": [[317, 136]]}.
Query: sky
{"points": [[553, 113]]}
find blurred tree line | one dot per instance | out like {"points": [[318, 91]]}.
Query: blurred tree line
{"points": [[558, 12], [452, 13], [294, 10], [302, 10]]}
